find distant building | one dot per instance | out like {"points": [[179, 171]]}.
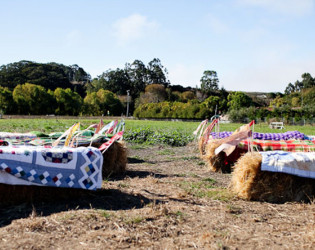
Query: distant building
{"points": [[262, 96]]}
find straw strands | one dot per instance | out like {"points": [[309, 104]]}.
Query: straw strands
{"points": [[215, 162], [202, 146], [220, 154], [115, 159], [220, 162], [250, 183]]}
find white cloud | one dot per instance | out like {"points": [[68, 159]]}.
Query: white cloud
{"points": [[293, 7], [185, 75], [132, 28]]}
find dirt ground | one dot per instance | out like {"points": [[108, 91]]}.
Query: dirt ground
{"points": [[166, 200]]}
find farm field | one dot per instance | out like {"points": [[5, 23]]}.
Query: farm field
{"points": [[166, 200], [53, 124]]}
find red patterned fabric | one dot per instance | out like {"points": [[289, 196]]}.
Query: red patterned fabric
{"points": [[106, 145], [289, 145], [3, 143]]}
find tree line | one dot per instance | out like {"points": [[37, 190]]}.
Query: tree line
{"points": [[28, 87], [36, 100]]}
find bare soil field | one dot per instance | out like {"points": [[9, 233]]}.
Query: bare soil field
{"points": [[166, 200]]}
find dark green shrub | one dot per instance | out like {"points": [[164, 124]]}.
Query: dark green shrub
{"points": [[147, 136]]}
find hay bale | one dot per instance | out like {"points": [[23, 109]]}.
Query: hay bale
{"points": [[114, 163], [115, 159], [215, 162], [250, 183], [202, 146], [221, 162]]}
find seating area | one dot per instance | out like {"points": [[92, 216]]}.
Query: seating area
{"points": [[277, 125]]}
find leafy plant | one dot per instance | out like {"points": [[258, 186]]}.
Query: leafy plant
{"points": [[148, 136]]}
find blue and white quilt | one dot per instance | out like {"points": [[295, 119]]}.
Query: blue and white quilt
{"points": [[57, 167]]}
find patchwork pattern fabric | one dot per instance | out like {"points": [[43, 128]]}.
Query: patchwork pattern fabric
{"points": [[57, 178], [57, 167], [298, 163], [21, 153], [32, 175], [70, 180], [20, 136], [89, 170], [51, 156]]}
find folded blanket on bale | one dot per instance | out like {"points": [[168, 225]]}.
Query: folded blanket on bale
{"points": [[57, 167], [251, 181], [299, 164], [223, 162]]}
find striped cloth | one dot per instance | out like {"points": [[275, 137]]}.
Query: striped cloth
{"points": [[289, 145]]}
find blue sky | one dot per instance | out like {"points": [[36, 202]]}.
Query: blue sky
{"points": [[254, 45]]}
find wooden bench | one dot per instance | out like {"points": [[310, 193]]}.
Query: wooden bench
{"points": [[278, 125]]}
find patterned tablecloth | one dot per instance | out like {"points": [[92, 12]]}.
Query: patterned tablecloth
{"points": [[20, 136], [288, 145], [57, 167]]}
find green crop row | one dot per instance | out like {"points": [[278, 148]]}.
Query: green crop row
{"points": [[175, 133], [149, 136]]}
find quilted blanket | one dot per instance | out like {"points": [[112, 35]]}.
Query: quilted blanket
{"points": [[297, 163], [18, 136], [57, 167], [289, 145]]}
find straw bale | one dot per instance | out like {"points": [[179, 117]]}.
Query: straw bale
{"points": [[221, 162], [215, 162], [202, 146], [250, 183], [115, 159]]}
